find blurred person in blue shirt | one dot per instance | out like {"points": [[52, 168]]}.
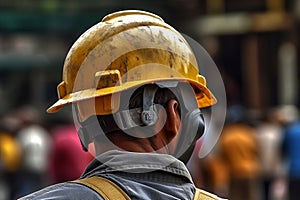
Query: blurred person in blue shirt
{"points": [[291, 154]]}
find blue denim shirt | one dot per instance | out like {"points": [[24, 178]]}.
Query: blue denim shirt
{"points": [[146, 176]]}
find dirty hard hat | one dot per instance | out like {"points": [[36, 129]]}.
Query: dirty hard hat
{"points": [[126, 49]]}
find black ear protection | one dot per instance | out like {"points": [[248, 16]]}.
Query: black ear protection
{"points": [[193, 127], [192, 122]]}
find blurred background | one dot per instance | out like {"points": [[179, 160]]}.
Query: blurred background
{"points": [[255, 45]]}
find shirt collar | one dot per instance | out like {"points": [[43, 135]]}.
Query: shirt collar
{"points": [[133, 162]]}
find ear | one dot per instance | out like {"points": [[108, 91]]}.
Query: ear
{"points": [[173, 121]]}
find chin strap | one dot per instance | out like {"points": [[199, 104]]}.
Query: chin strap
{"points": [[149, 114]]}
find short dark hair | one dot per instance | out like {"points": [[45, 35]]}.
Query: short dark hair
{"points": [[162, 97]]}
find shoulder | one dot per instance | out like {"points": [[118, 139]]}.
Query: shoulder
{"points": [[67, 190]]}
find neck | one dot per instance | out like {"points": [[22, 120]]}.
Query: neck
{"points": [[133, 144]]}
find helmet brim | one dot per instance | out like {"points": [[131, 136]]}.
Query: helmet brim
{"points": [[204, 99]]}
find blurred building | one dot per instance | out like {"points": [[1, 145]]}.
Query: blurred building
{"points": [[255, 44]]}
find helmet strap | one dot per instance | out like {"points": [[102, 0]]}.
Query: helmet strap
{"points": [[149, 114]]}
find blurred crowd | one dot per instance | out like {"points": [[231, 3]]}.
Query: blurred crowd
{"points": [[35, 152], [256, 157]]}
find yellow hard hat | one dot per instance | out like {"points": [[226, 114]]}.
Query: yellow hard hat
{"points": [[125, 50]]}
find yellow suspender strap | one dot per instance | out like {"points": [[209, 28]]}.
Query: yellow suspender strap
{"points": [[106, 188], [110, 191], [203, 195]]}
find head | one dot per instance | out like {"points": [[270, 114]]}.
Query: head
{"points": [[134, 77]]}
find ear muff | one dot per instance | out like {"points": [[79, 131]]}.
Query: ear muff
{"points": [[192, 121], [193, 127]]}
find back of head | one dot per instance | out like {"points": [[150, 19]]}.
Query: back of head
{"points": [[128, 50]]}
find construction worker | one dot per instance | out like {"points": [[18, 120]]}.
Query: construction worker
{"points": [[135, 91]]}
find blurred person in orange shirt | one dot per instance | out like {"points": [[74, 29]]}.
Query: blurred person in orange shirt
{"points": [[210, 172], [240, 152], [217, 174], [10, 152], [10, 160]]}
